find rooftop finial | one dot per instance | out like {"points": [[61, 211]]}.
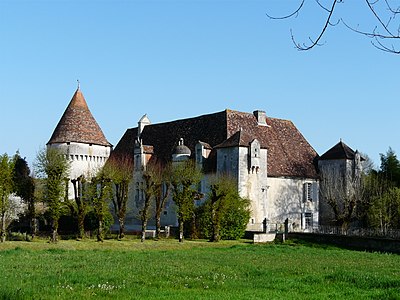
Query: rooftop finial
{"points": [[78, 84]]}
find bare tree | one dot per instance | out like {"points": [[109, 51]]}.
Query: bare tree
{"points": [[342, 192], [384, 33]]}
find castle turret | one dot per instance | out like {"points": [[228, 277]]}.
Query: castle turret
{"points": [[81, 139]]}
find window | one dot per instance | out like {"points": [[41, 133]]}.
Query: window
{"points": [[308, 218], [308, 192]]}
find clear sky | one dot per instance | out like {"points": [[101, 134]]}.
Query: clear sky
{"points": [[178, 59]]}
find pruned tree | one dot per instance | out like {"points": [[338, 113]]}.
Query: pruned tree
{"points": [[24, 186], [6, 188], [343, 192], [184, 178], [100, 191], [53, 166], [157, 186], [80, 205], [385, 33], [120, 171], [162, 175]]}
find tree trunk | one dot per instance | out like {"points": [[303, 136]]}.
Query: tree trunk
{"points": [[54, 234], [180, 231], [121, 233], [144, 226], [32, 223], [100, 231], [158, 224], [3, 227], [81, 225]]}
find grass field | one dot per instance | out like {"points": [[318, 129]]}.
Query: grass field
{"points": [[193, 270]]}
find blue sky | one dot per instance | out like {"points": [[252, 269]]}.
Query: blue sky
{"points": [[178, 59]]}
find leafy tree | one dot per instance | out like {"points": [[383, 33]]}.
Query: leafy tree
{"points": [[382, 194], [119, 170], [225, 214], [384, 32], [6, 188], [385, 210], [185, 176], [390, 167], [100, 190], [24, 185], [53, 166]]}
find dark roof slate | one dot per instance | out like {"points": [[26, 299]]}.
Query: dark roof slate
{"points": [[77, 124], [339, 151], [289, 153]]}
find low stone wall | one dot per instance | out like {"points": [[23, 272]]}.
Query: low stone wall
{"points": [[350, 242], [263, 237]]}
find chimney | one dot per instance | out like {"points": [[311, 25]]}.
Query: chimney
{"points": [[261, 117]]}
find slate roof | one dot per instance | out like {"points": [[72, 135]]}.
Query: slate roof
{"points": [[339, 151], [77, 124], [289, 153]]}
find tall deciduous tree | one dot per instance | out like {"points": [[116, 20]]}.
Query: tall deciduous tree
{"points": [[120, 171], [185, 177], [390, 167], [53, 166], [6, 188], [25, 188]]}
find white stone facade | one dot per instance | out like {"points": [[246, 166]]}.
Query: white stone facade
{"points": [[85, 159]]}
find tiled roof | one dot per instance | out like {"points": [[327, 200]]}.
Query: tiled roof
{"points": [[289, 153], [339, 151], [77, 124], [239, 139]]}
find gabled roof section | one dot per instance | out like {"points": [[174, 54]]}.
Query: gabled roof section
{"points": [[238, 139], [289, 153], [339, 151], [77, 124]]}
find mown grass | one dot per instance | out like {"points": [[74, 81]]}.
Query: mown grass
{"points": [[193, 270]]}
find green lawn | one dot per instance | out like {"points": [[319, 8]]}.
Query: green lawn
{"points": [[193, 270]]}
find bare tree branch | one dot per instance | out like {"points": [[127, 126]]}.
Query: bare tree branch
{"points": [[394, 12], [316, 42], [296, 12]]}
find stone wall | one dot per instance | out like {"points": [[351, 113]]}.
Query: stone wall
{"points": [[350, 242]]}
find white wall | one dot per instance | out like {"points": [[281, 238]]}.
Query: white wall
{"points": [[286, 200], [85, 159]]}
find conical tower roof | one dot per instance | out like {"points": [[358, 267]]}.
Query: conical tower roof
{"points": [[77, 124]]}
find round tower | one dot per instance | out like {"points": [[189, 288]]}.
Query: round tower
{"points": [[81, 139]]}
